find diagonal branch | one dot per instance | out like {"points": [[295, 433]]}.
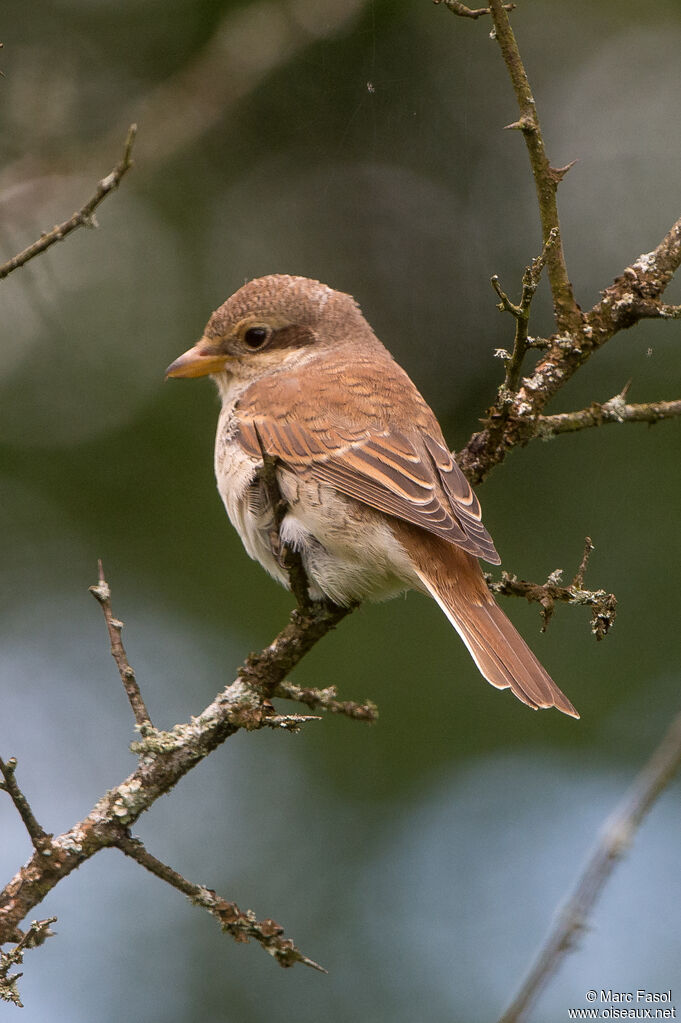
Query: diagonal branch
{"points": [[614, 841], [164, 758], [242, 926], [84, 217]]}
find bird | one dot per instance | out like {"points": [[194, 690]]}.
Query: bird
{"points": [[375, 504]]}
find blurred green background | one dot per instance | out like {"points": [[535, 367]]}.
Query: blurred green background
{"points": [[358, 142]]}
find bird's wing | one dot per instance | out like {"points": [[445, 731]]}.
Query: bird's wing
{"points": [[352, 446]]}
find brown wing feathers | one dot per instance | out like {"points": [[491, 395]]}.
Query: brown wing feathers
{"points": [[382, 469]]}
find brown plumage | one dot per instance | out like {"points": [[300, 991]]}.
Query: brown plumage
{"points": [[376, 504]]}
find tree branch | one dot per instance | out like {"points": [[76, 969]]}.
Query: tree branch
{"points": [[84, 217], [546, 178], [325, 699], [37, 933], [616, 410], [615, 839], [466, 12], [241, 926], [635, 295], [517, 417], [164, 758], [499, 414], [102, 595], [603, 605], [38, 836]]}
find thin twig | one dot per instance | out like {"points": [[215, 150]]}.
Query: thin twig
{"points": [[578, 581], [84, 217], [38, 835], [546, 177], [615, 839], [499, 413], [36, 934], [102, 595], [241, 926], [325, 699], [466, 12], [603, 605], [616, 410]]}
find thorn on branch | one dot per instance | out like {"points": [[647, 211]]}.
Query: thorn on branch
{"points": [[558, 173], [525, 124], [505, 305]]}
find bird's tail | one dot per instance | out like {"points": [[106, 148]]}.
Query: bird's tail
{"points": [[454, 578]]}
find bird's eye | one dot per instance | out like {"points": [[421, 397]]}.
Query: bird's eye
{"points": [[255, 337]]}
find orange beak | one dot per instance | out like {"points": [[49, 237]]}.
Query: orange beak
{"points": [[198, 361]]}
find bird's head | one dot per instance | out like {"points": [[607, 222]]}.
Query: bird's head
{"points": [[266, 323]]}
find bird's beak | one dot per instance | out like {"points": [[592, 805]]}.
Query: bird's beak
{"points": [[198, 361]]}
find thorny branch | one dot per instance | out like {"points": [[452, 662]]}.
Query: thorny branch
{"points": [[518, 416], [521, 312], [84, 217], [546, 177], [634, 296], [615, 840]]}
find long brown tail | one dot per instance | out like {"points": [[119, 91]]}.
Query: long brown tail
{"points": [[454, 578]]}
